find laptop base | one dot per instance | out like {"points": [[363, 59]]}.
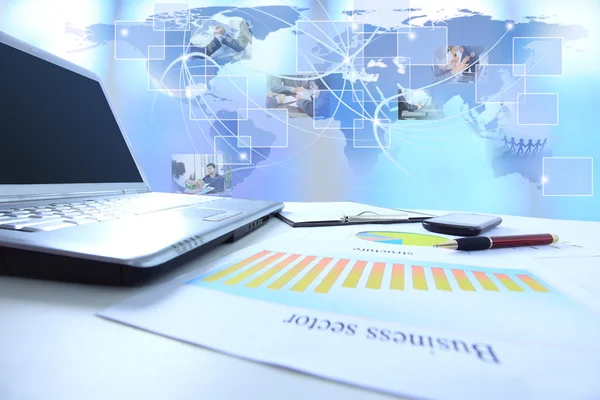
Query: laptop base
{"points": [[30, 264]]}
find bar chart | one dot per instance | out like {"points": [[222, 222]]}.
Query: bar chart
{"points": [[302, 273]]}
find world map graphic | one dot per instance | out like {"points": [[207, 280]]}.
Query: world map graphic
{"points": [[380, 77]]}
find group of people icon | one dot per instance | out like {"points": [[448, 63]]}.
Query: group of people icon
{"points": [[521, 147]]}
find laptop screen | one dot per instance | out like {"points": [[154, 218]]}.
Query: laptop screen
{"points": [[56, 126]]}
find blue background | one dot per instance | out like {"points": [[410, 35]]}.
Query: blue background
{"points": [[460, 162]]}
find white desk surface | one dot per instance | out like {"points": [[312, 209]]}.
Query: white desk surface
{"points": [[52, 346]]}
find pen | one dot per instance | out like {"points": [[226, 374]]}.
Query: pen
{"points": [[498, 242]]}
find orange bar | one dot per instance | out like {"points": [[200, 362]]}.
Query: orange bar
{"points": [[441, 282], [236, 267], [289, 275], [252, 270], [376, 276], [354, 275], [259, 280], [485, 281], [315, 271], [397, 277], [419, 281], [463, 280], [332, 276], [509, 283], [532, 283]]}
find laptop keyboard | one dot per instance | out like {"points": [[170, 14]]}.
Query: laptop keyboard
{"points": [[62, 215]]}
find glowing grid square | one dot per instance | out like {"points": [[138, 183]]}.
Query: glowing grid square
{"points": [[267, 128], [423, 44], [225, 93], [380, 45], [196, 61], [542, 56], [238, 149], [128, 33], [179, 11], [496, 83], [519, 70], [324, 45], [346, 106], [537, 109], [364, 138], [156, 53], [162, 76], [196, 88], [568, 176]]}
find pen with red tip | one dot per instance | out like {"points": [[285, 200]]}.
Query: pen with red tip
{"points": [[498, 242]]}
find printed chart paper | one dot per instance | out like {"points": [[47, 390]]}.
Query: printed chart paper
{"points": [[414, 324], [416, 235]]}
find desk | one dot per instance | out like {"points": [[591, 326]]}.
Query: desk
{"points": [[53, 347]]}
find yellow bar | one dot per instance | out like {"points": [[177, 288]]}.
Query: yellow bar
{"points": [[397, 277], [289, 275], [509, 283], [307, 279], [236, 267], [376, 276], [532, 283], [254, 269], [441, 282], [259, 280], [354, 275], [485, 281], [419, 281], [331, 277], [463, 280]]}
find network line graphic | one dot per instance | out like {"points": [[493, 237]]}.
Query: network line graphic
{"points": [[344, 49]]}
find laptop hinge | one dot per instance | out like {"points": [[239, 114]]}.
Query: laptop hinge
{"points": [[52, 196]]}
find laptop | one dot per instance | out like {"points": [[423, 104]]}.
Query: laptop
{"points": [[74, 204]]}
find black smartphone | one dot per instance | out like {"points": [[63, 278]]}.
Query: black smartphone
{"points": [[462, 224]]}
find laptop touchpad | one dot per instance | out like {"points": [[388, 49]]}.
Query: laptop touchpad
{"points": [[200, 213], [208, 214]]}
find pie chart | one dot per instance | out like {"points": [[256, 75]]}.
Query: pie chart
{"points": [[402, 238]]}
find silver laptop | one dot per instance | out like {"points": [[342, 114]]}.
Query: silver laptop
{"points": [[74, 204]]}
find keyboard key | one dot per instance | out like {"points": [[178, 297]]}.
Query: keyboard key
{"points": [[23, 224], [12, 220], [71, 216], [49, 226], [20, 213], [44, 214]]}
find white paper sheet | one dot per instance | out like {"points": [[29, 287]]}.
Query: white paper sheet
{"points": [[332, 211], [408, 322]]}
